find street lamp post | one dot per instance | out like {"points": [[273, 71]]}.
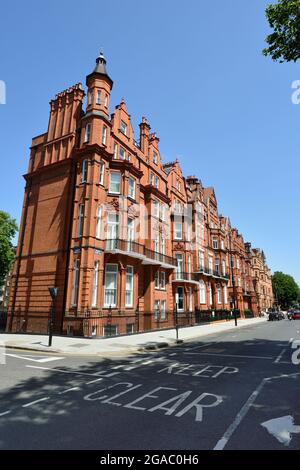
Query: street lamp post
{"points": [[53, 292], [176, 314], [109, 319]]}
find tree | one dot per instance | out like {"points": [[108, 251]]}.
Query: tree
{"points": [[284, 42], [8, 229], [286, 290]]}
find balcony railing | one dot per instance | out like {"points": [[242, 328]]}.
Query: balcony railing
{"points": [[212, 272], [181, 276], [134, 248]]}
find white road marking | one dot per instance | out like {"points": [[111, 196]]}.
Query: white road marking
{"points": [[53, 369], [93, 381], [34, 402], [34, 359], [5, 413], [282, 428], [244, 410], [230, 355], [241, 414], [279, 356], [69, 390]]}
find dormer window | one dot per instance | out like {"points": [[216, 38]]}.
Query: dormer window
{"points": [[123, 128], [155, 159], [98, 99]]}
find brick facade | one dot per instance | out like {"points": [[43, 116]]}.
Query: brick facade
{"points": [[127, 239]]}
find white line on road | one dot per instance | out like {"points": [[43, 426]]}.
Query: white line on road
{"points": [[241, 414], [230, 355], [279, 356], [69, 390], [53, 369], [244, 410], [34, 402], [34, 359], [93, 381], [5, 413]]}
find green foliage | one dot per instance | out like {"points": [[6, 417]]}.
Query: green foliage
{"points": [[8, 229], [286, 290], [284, 42]]}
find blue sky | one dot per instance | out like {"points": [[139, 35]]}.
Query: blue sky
{"points": [[196, 71]]}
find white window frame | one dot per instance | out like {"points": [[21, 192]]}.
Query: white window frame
{"points": [[115, 150], [131, 187], [104, 135], [110, 182], [155, 160], [179, 265], [98, 99], [225, 294], [201, 259], [190, 299], [162, 211], [130, 278], [177, 230], [123, 127], [182, 289], [156, 280], [122, 153], [98, 222], [109, 304], [210, 264], [219, 294], [95, 284], [155, 208], [80, 220], [88, 131], [202, 291], [75, 282], [162, 280], [215, 243], [101, 172], [84, 173], [163, 304]]}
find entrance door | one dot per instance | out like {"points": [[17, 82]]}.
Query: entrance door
{"points": [[180, 299]]}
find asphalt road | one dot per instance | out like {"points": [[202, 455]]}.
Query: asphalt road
{"points": [[235, 390]]}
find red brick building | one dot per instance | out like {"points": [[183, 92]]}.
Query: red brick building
{"points": [[126, 238]]}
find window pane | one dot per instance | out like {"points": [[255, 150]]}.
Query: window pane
{"points": [[115, 182]]}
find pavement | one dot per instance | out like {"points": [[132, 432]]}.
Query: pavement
{"points": [[121, 345]]}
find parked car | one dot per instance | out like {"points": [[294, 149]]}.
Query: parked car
{"points": [[275, 316], [295, 313]]}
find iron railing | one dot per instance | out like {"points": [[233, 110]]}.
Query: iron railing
{"points": [[181, 276], [129, 246], [212, 272]]}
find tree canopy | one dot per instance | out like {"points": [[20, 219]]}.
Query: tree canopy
{"points": [[8, 229], [286, 290], [284, 41]]}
